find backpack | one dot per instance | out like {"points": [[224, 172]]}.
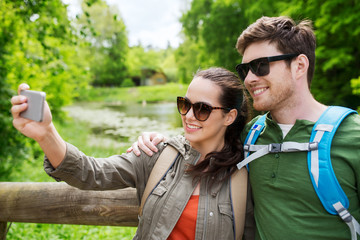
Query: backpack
{"points": [[321, 172], [238, 187]]}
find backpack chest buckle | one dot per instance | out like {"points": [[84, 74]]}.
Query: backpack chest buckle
{"points": [[275, 147]]}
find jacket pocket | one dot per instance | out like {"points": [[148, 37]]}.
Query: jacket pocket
{"points": [[226, 221], [160, 190], [152, 204]]}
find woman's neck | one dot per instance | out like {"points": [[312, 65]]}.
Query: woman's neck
{"points": [[206, 148]]}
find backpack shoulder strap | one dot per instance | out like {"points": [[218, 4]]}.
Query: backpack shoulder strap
{"points": [[250, 140], [238, 194], [254, 133], [161, 167], [321, 172]]}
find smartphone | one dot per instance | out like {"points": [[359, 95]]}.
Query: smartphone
{"points": [[36, 101]]}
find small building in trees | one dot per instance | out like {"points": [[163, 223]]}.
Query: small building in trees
{"points": [[136, 80], [150, 77]]}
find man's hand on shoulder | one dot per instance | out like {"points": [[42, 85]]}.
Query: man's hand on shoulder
{"points": [[147, 142]]}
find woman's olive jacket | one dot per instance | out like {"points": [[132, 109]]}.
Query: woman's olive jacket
{"points": [[167, 201]]}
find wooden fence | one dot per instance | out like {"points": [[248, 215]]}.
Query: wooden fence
{"points": [[59, 203]]}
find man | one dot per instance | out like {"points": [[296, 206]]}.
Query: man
{"points": [[286, 205]]}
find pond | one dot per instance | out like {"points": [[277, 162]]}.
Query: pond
{"points": [[120, 125]]}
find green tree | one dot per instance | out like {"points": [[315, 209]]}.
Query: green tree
{"points": [[105, 31], [162, 60], [43, 51], [337, 29], [212, 27], [168, 64], [355, 84], [139, 58], [188, 60], [37, 46]]}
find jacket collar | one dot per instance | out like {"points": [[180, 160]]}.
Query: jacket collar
{"points": [[183, 146]]}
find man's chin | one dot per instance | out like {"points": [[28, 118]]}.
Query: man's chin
{"points": [[260, 107]]}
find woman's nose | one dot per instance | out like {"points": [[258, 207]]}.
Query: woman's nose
{"points": [[190, 113]]}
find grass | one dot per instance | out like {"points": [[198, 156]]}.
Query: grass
{"points": [[28, 231]]}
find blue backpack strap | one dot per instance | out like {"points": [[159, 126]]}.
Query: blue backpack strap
{"points": [[251, 138], [254, 133], [321, 172]]}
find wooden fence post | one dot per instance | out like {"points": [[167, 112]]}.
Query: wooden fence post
{"points": [[3, 230]]}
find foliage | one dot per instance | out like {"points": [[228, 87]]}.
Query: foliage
{"points": [[29, 231], [11, 141], [355, 84], [127, 83], [36, 46], [40, 46], [168, 63], [337, 30], [211, 28], [41, 50], [159, 93], [188, 60], [139, 59], [161, 60], [105, 31]]}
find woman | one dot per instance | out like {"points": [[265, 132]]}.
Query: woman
{"points": [[193, 199]]}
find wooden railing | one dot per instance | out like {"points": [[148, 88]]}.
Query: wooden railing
{"points": [[59, 203]]}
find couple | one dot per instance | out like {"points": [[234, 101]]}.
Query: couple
{"points": [[193, 200]]}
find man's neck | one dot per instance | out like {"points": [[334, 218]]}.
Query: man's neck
{"points": [[306, 109]]}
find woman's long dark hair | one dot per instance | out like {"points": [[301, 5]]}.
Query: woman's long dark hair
{"points": [[218, 166]]}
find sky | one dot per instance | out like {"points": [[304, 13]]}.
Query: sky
{"points": [[149, 22]]}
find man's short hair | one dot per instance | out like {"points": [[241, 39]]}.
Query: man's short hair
{"points": [[287, 36]]}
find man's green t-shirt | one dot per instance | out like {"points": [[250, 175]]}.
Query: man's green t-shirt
{"points": [[286, 205]]}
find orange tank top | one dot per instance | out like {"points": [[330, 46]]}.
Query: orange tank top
{"points": [[186, 225]]}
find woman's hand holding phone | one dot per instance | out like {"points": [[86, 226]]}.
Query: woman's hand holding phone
{"points": [[31, 113], [44, 132]]}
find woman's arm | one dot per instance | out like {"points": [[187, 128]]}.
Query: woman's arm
{"points": [[114, 172]]}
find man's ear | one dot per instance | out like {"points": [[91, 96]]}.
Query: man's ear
{"points": [[301, 66], [230, 117]]}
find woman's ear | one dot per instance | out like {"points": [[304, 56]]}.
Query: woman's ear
{"points": [[230, 117]]}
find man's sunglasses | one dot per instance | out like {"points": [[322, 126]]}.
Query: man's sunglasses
{"points": [[260, 66], [201, 110]]}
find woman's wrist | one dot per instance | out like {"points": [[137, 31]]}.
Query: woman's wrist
{"points": [[53, 146]]}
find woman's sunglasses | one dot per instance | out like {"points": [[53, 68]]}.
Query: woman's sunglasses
{"points": [[260, 66], [201, 110]]}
